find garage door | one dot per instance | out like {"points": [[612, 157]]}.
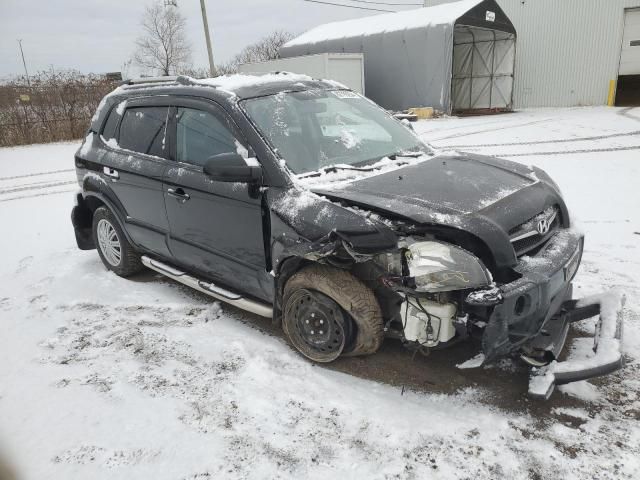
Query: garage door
{"points": [[630, 58]]}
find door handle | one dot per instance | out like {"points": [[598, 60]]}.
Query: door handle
{"points": [[179, 194], [110, 172]]}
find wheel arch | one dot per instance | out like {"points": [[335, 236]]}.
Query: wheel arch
{"points": [[87, 203], [351, 293], [290, 265], [286, 268]]}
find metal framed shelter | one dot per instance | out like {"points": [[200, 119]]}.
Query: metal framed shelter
{"points": [[454, 57], [575, 52]]}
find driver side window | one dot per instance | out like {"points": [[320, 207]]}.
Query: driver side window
{"points": [[201, 135]]}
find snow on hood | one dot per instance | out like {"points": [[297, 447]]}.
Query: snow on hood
{"points": [[446, 13], [336, 179], [232, 83]]}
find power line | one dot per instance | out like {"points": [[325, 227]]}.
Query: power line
{"points": [[350, 6]]}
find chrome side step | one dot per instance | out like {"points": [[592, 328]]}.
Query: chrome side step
{"points": [[210, 289]]}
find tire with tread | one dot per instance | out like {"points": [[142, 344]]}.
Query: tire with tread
{"points": [[352, 295], [130, 262]]}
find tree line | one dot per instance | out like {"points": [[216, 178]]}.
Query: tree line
{"points": [[54, 106], [51, 107]]}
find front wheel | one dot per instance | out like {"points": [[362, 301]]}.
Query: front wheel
{"points": [[114, 249], [328, 312]]}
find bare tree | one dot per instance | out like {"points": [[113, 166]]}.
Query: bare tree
{"points": [[163, 47], [266, 48]]}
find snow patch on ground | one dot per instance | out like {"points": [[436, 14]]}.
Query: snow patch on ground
{"points": [[474, 362], [582, 390]]}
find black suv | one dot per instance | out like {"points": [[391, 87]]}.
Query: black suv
{"points": [[300, 200]]}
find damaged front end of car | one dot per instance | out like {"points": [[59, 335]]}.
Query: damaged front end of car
{"points": [[435, 293], [450, 295]]}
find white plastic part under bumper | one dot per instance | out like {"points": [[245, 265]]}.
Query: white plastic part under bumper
{"points": [[607, 350]]}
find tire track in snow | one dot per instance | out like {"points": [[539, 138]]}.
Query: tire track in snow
{"points": [[22, 188], [568, 152], [542, 142], [30, 184], [476, 132], [44, 194], [477, 124], [625, 113], [37, 174]]}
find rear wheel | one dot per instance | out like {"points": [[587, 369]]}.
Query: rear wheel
{"points": [[328, 312], [115, 251]]}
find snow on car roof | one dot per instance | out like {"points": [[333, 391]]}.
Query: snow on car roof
{"points": [[387, 22], [235, 82]]}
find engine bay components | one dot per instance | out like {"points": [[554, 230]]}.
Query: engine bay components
{"points": [[427, 322]]}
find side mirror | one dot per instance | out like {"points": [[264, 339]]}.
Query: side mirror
{"points": [[231, 167]]}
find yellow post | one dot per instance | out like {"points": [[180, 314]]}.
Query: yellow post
{"points": [[612, 93]]}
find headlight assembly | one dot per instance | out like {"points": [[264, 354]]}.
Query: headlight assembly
{"points": [[442, 267]]}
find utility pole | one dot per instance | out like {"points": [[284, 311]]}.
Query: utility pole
{"points": [[24, 63], [212, 68]]}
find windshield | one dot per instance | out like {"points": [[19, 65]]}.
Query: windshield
{"points": [[318, 128]]}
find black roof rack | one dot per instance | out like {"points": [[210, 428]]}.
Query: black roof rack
{"points": [[181, 79]]}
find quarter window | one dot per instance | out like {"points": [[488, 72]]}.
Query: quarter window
{"points": [[143, 130], [201, 135], [109, 130]]}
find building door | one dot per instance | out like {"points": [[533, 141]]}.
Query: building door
{"points": [[482, 71], [628, 91]]}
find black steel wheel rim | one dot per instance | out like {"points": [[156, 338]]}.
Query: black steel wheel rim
{"points": [[318, 325]]}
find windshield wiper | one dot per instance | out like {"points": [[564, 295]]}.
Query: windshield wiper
{"points": [[403, 154], [333, 169]]}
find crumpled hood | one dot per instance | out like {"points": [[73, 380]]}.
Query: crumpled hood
{"points": [[482, 195], [446, 188], [441, 185]]}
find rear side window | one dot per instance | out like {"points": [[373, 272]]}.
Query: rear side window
{"points": [[201, 135], [109, 130], [143, 130]]}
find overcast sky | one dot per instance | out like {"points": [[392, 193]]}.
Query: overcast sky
{"points": [[98, 35]]}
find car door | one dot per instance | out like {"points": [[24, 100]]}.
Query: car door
{"points": [[136, 157], [215, 227]]}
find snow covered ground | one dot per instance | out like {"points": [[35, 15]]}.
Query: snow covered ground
{"points": [[102, 377]]}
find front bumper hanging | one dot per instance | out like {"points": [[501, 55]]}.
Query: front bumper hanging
{"points": [[607, 349]]}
